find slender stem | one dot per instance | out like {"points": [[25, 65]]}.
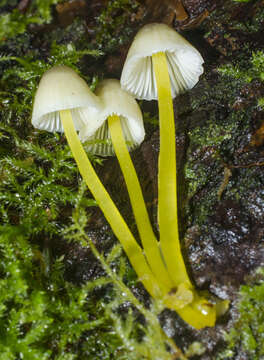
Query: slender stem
{"points": [[149, 241], [199, 313], [111, 213], [167, 182]]}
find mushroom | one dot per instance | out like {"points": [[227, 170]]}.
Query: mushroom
{"points": [[115, 101], [125, 130], [61, 88], [160, 65], [64, 102]]}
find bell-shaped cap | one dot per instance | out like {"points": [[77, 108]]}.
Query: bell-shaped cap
{"points": [[61, 88], [184, 62], [115, 101]]}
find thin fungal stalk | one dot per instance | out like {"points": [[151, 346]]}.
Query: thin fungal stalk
{"points": [[111, 213], [167, 181], [149, 241], [199, 313]]}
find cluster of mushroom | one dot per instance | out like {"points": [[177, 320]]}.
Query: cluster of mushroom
{"points": [[160, 64]]}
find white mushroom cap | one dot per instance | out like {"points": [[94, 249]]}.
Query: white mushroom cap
{"points": [[115, 101], [61, 88], [184, 62]]}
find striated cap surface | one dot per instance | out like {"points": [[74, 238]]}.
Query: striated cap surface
{"points": [[61, 88], [115, 101], [184, 62]]}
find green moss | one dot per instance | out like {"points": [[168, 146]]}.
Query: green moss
{"points": [[196, 178], [255, 71], [248, 331], [243, 20], [140, 340], [261, 102], [8, 2], [212, 134], [15, 22], [38, 175], [114, 23], [42, 316], [36, 310], [204, 168], [218, 132]]}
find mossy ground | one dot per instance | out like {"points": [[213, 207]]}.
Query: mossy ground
{"points": [[45, 208], [46, 211]]}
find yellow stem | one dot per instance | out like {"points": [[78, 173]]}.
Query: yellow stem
{"points": [[167, 181], [111, 213], [149, 241], [199, 313]]}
